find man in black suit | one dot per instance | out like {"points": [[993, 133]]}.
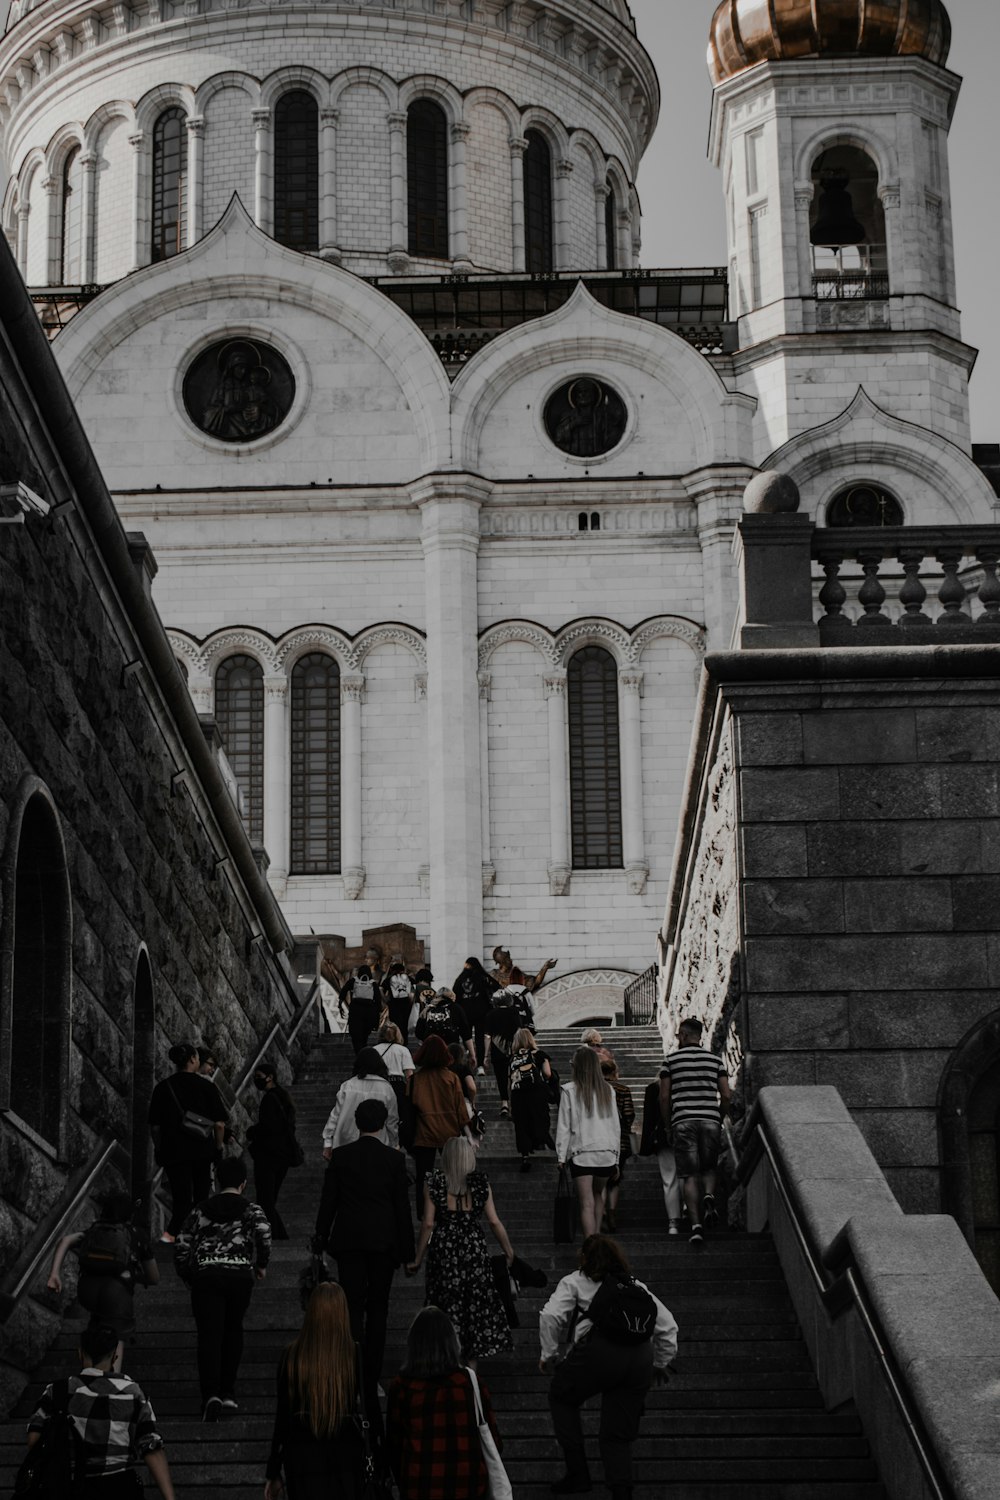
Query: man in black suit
{"points": [[364, 1223]]}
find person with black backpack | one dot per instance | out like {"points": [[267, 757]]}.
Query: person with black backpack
{"points": [[444, 1017], [188, 1121], [363, 999], [114, 1255], [87, 1432], [273, 1144], [621, 1339]]}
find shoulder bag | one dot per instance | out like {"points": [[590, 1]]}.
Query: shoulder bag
{"points": [[498, 1485], [199, 1127]]}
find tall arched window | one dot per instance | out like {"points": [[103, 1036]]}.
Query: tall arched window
{"points": [[296, 171], [143, 1072], [538, 228], [169, 184], [611, 229], [315, 765], [239, 713], [37, 978], [427, 178], [594, 760], [847, 226], [71, 259]]}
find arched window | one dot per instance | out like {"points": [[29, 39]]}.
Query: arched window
{"points": [[595, 520], [296, 171], [239, 713], [427, 178], [143, 1072], [315, 765], [864, 505], [71, 259], [594, 760], [847, 227], [169, 184], [37, 977], [611, 228], [538, 229]]}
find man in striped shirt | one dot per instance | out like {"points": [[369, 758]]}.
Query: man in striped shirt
{"points": [[694, 1095]]}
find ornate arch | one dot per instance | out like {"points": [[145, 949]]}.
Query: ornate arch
{"points": [[188, 649], [863, 139], [285, 80], [374, 77], [525, 632], [115, 109], [66, 139], [431, 86], [305, 638], [163, 96], [501, 101], [33, 162], [229, 80], [591, 147], [666, 627], [549, 125], [391, 634], [595, 631], [240, 638]]}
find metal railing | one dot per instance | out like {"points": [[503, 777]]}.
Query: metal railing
{"points": [[640, 998], [850, 286]]}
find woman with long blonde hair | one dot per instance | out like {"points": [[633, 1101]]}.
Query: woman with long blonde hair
{"points": [[459, 1276], [588, 1135], [316, 1442]]}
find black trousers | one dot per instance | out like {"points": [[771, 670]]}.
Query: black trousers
{"points": [[108, 1299], [501, 1067], [366, 1277], [621, 1375], [219, 1306], [119, 1486], [268, 1175], [190, 1181], [362, 1018]]}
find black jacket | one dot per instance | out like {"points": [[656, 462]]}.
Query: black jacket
{"points": [[365, 1207]]}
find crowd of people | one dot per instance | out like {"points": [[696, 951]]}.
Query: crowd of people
{"points": [[406, 1114]]}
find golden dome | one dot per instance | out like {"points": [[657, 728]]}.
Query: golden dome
{"points": [[745, 32]]}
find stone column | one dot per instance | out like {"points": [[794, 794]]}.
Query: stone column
{"points": [[88, 249], [489, 871], [718, 495], [626, 249], [560, 855], [633, 835], [329, 249], [460, 201], [600, 208], [141, 218], [563, 247], [398, 258], [802, 197], [449, 506], [518, 146], [263, 185], [51, 187], [890, 196], [23, 218], [196, 177], [276, 780], [201, 686], [351, 867]]}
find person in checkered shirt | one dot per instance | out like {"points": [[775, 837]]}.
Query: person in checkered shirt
{"points": [[431, 1429], [113, 1420]]}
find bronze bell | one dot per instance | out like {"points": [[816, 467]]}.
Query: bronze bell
{"points": [[835, 222]]}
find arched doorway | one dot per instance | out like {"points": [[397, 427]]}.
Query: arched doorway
{"points": [[969, 1120], [143, 1069]]}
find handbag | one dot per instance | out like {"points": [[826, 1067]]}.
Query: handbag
{"points": [[199, 1127], [563, 1225], [498, 1485]]}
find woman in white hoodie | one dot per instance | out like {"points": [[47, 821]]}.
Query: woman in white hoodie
{"points": [[587, 1135]]}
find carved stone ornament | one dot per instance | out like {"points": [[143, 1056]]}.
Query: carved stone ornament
{"points": [[238, 390], [585, 418], [559, 878], [354, 883], [636, 876]]}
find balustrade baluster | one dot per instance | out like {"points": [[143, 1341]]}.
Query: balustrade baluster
{"points": [[912, 594], [871, 595], [834, 628], [952, 591], [989, 589]]}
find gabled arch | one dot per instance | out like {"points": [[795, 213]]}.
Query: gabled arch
{"points": [[288, 80], [431, 86], [114, 109], [164, 96], [36, 965], [231, 79], [373, 77]]}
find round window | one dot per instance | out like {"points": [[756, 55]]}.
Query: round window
{"points": [[238, 389], [864, 505], [585, 418]]}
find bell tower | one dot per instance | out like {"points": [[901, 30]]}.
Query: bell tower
{"points": [[831, 132]]}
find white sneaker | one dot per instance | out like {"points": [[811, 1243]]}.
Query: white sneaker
{"points": [[481, 1072], [674, 1228]]}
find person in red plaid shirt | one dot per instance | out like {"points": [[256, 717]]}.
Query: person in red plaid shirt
{"points": [[431, 1429]]}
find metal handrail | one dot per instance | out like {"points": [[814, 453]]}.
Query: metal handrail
{"points": [[308, 1004], [262, 1053], [830, 1293], [54, 1225]]}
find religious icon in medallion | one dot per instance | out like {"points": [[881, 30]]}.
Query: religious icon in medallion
{"points": [[238, 390], [585, 418]]}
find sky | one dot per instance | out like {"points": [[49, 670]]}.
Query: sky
{"points": [[681, 192]]}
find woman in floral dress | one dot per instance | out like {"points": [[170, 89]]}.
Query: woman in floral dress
{"points": [[459, 1275]]}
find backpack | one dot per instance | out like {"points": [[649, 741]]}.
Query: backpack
{"points": [[523, 1072], [364, 989], [105, 1250], [623, 1311], [400, 987], [56, 1461], [439, 1020]]}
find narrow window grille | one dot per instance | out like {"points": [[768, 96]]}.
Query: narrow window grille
{"points": [[315, 766], [296, 171], [595, 760], [427, 178], [538, 222], [611, 229], [70, 272], [169, 184], [239, 713]]}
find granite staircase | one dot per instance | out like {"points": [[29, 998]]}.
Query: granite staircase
{"points": [[742, 1419]]}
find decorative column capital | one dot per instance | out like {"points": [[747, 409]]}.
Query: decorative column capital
{"points": [[564, 168], [636, 875], [196, 125], [460, 132], [329, 118], [803, 192], [51, 186], [275, 689], [485, 686], [602, 192], [889, 194], [24, 211], [88, 161], [631, 680], [559, 878], [261, 118], [139, 142], [555, 684], [354, 882], [352, 689], [396, 120], [518, 145], [420, 687]]}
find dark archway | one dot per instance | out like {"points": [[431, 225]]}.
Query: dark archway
{"points": [[968, 1110], [143, 1072], [36, 966]]}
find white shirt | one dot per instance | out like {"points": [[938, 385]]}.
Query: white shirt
{"points": [[589, 1140], [340, 1129], [577, 1291], [397, 1058]]}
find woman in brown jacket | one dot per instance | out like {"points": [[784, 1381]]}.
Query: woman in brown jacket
{"points": [[439, 1105]]}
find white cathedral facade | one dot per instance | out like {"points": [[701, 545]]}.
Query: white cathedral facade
{"points": [[441, 482]]}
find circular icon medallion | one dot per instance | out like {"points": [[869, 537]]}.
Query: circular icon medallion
{"points": [[585, 418], [238, 389]]}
